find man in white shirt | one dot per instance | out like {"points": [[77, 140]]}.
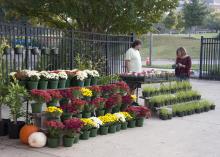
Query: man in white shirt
{"points": [[133, 58]]}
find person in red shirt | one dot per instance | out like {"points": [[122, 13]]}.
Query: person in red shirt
{"points": [[183, 64]]}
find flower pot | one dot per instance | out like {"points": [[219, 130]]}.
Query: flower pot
{"points": [[36, 107], [18, 50], [67, 85], [124, 107], [140, 122], [93, 132], [79, 83], [206, 109], [45, 51], [14, 129], [22, 83], [35, 51], [62, 83], [118, 127], [53, 84], [124, 126], [197, 110], [53, 142], [93, 81], [42, 84], [57, 118], [108, 110], [7, 51], [116, 109], [76, 139], [32, 85], [131, 124], [103, 130], [85, 135], [212, 107], [4, 127], [86, 114], [112, 129], [66, 116], [68, 141], [180, 114], [100, 113], [87, 82]]}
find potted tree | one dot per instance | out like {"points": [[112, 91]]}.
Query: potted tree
{"points": [[14, 100]]}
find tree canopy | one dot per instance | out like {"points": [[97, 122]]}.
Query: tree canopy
{"points": [[114, 16], [170, 21]]}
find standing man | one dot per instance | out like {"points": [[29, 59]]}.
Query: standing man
{"points": [[133, 62], [133, 58]]}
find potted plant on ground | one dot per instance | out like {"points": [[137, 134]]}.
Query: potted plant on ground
{"points": [[53, 81], [19, 49], [32, 80], [165, 114], [55, 97], [127, 100], [128, 118], [88, 124], [62, 79], [99, 104], [14, 100], [39, 97], [94, 130], [71, 129], [94, 78], [103, 130], [53, 113], [43, 82], [113, 122], [121, 119], [68, 111], [54, 129]]}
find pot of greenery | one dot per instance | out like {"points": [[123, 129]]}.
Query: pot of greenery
{"points": [[3, 122], [43, 82], [35, 51], [33, 78], [6, 49], [14, 100], [164, 114], [212, 107], [19, 49]]}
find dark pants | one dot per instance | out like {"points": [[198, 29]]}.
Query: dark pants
{"points": [[182, 77]]}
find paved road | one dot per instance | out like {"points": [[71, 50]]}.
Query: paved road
{"points": [[165, 62], [192, 136]]}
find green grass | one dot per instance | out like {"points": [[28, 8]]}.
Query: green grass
{"points": [[169, 66], [164, 46]]}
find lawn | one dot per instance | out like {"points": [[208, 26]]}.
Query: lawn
{"points": [[164, 46], [169, 66]]}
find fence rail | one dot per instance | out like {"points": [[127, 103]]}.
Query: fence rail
{"points": [[95, 46], [210, 58]]}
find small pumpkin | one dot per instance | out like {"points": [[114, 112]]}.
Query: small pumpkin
{"points": [[37, 140], [26, 131]]}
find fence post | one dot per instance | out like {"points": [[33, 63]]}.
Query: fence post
{"points": [[106, 54], [201, 58], [27, 49], [72, 49], [132, 37]]}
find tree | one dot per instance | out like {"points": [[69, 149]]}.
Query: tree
{"points": [[91, 15], [195, 13], [180, 22], [213, 22], [170, 21]]}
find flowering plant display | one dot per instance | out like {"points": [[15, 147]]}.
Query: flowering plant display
{"points": [[78, 104], [54, 128], [97, 121], [95, 73], [55, 94], [71, 73], [127, 116], [123, 87], [114, 100], [96, 91], [108, 119], [21, 75], [139, 111], [53, 76], [72, 126], [108, 90], [40, 96], [76, 92], [86, 92], [62, 75], [33, 75], [89, 73], [53, 111], [127, 99], [120, 117], [99, 103], [68, 108], [81, 75], [44, 75], [88, 124]]}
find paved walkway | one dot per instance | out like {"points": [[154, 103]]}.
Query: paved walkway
{"points": [[193, 136]]}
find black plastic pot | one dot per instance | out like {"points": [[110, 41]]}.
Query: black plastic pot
{"points": [[7, 51], [163, 117], [14, 129], [54, 51], [170, 116], [35, 51], [45, 51], [174, 114], [206, 109], [4, 127], [198, 110], [212, 107], [18, 50], [180, 114]]}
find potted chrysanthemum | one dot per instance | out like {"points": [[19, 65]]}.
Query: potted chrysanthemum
{"points": [[53, 113], [88, 124], [87, 81], [128, 118], [80, 78], [33, 77], [55, 97], [99, 103], [94, 130], [121, 119], [53, 81], [94, 78], [43, 82], [68, 111], [62, 79], [79, 105]]}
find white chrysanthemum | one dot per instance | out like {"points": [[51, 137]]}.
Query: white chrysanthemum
{"points": [[81, 75], [97, 121], [44, 74], [89, 72], [120, 116], [12, 74], [62, 75], [94, 73], [33, 74], [54, 76]]}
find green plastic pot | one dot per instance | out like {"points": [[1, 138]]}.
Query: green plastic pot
{"points": [[79, 115], [118, 127], [64, 101], [93, 132], [107, 110], [32, 85], [124, 107], [68, 141], [22, 83], [62, 83], [163, 117], [86, 114], [112, 129], [131, 123], [140, 122], [85, 135], [100, 113], [67, 85], [36, 107], [76, 139], [124, 126], [87, 82], [53, 84], [80, 83], [103, 130], [93, 81], [66, 116], [53, 142], [116, 109], [42, 84]]}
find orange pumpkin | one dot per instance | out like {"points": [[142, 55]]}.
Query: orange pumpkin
{"points": [[26, 131]]}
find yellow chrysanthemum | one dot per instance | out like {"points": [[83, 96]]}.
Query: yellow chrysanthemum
{"points": [[86, 92], [52, 109], [88, 121], [127, 115], [133, 97]]}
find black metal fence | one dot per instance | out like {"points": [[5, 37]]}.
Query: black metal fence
{"points": [[104, 49], [210, 58]]}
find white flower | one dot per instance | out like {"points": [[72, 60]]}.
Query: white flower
{"points": [[44, 74], [12, 74], [120, 116], [97, 121], [81, 75], [53, 76], [89, 72], [94, 73], [62, 75], [31, 74]]}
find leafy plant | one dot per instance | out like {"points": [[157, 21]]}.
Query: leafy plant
{"points": [[3, 93], [107, 79]]}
